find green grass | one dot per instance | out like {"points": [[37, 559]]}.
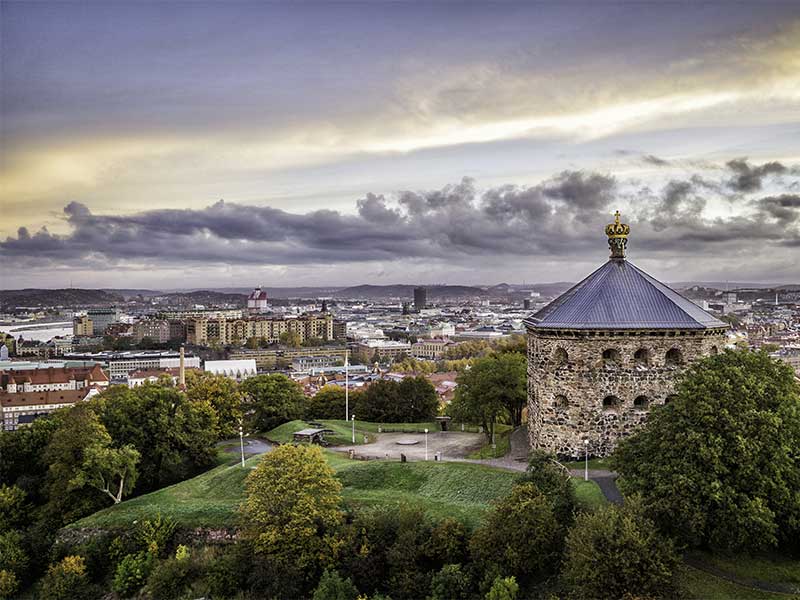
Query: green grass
{"points": [[502, 436], [769, 568], [588, 494], [343, 435], [700, 585]]}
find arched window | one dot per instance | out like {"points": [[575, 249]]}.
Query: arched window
{"points": [[560, 401], [669, 398], [611, 356], [641, 402], [610, 404], [642, 356], [560, 356], [673, 357], [713, 351]]}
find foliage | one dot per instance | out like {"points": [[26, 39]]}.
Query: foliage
{"points": [[132, 573], [9, 584], [554, 482], [617, 551], [332, 587], [520, 536], [503, 588], [290, 338], [291, 512], [13, 508], [12, 554], [386, 401], [493, 387], [274, 399], [718, 466], [22, 451], [327, 403], [110, 470], [154, 535], [169, 578], [223, 394], [450, 583], [65, 580], [174, 436]]}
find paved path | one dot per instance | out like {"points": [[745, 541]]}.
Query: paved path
{"points": [[252, 446]]}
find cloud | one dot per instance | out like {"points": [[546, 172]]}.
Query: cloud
{"points": [[748, 178], [560, 218], [655, 160]]}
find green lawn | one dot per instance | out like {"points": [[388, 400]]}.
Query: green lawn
{"points": [[588, 494], [769, 568], [343, 430], [502, 437], [700, 585], [462, 490]]}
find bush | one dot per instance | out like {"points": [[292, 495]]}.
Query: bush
{"points": [[9, 584], [13, 508], [451, 583], [12, 556], [132, 573], [170, 578], [520, 536], [617, 551], [447, 543], [154, 535], [332, 587], [503, 588], [228, 571], [554, 482], [65, 580]]}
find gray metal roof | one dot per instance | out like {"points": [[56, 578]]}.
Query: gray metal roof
{"points": [[619, 295]]}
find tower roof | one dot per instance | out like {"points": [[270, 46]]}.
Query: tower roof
{"points": [[619, 295]]}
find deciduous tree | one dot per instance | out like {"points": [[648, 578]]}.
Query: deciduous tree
{"points": [[273, 399]]}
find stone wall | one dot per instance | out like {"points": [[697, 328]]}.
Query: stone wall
{"points": [[575, 394]]}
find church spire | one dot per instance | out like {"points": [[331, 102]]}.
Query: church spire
{"points": [[617, 237]]}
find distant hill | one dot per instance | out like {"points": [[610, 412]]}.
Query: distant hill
{"points": [[67, 297], [402, 291], [204, 297]]}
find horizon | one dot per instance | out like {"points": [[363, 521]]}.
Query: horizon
{"points": [[168, 145]]}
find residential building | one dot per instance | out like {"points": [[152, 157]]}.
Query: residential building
{"points": [[138, 378], [385, 349], [430, 349], [82, 326], [101, 318], [157, 330], [121, 364], [272, 358], [226, 332]]}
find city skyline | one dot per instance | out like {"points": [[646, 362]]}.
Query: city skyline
{"points": [[211, 145]]}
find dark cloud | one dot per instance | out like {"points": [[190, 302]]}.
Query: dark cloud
{"points": [[747, 177], [654, 160], [558, 218]]}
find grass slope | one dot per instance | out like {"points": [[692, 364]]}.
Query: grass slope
{"points": [[461, 490], [699, 585], [343, 430]]}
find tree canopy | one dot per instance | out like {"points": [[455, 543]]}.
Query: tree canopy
{"points": [[273, 400], [411, 400], [223, 394], [718, 466]]}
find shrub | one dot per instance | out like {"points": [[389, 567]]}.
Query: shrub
{"points": [[520, 536], [13, 508], [12, 556], [65, 580], [170, 578], [153, 535], [617, 551], [451, 583], [9, 584], [447, 543], [228, 571], [503, 588], [132, 573], [332, 587], [554, 482]]}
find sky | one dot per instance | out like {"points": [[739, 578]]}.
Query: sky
{"points": [[190, 144]]}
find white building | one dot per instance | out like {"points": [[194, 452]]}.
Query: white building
{"points": [[257, 301], [235, 369]]}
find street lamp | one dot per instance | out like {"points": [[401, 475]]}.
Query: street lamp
{"points": [[346, 385], [586, 463], [426, 444], [241, 443], [354, 429]]}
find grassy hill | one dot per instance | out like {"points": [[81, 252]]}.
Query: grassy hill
{"points": [[343, 430], [462, 490]]}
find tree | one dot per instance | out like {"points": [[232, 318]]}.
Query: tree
{"points": [[65, 580], [493, 387], [718, 465], [223, 394], [553, 481], [292, 509], [14, 509], [419, 401], [520, 536], [617, 552], [22, 456], [174, 435], [108, 469], [274, 399], [13, 557], [450, 583], [380, 402], [252, 343], [503, 588], [332, 587], [327, 403], [290, 338]]}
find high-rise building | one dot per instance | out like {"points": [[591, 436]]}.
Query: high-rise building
{"points": [[420, 297], [82, 326], [102, 318]]}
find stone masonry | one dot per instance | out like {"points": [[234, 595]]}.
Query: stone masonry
{"points": [[600, 385]]}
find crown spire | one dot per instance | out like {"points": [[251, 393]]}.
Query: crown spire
{"points": [[617, 237]]}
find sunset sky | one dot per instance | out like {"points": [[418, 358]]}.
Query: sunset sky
{"points": [[234, 144]]}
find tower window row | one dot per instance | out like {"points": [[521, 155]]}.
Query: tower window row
{"points": [[612, 357], [612, 403]]}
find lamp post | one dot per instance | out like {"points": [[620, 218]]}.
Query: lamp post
{"points": [[586, 463], [241, 443], [426, 444], [346, 385], [354, 429]]}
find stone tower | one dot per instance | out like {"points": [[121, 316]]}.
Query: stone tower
{"points": [[606, 351]]}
